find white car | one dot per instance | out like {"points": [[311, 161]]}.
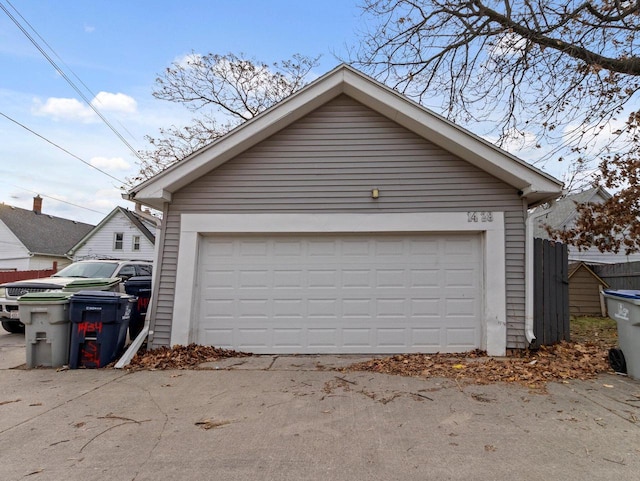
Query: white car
{"points": [[86, 270]]}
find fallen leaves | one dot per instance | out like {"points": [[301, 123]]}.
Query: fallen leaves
{"points": [[211, 424], [180, 357], [533, 369]]}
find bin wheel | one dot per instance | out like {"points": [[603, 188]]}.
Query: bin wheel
{"points": [[14, 327], [616, 361]]}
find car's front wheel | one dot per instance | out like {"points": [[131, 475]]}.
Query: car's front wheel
{"points": [[14, 327]]}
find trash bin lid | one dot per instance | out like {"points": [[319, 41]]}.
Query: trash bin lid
{"points": [[87, 284], [627, 294], [45, 297], [138, 280], [101, 297]]}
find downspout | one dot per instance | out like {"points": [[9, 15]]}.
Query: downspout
{"points": [[146, 329], [529, 278]]}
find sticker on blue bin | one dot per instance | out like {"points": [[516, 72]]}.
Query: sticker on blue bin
{"points": [[622, 313]]}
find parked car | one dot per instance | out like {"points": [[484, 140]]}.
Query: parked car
{"points": [[86, 270]]}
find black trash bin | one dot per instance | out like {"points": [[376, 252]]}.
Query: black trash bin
{"points": [[139, 287], [99, 322]]}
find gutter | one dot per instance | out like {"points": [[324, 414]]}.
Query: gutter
{"points": [[528, 304]]}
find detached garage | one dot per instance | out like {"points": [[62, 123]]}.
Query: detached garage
{"points": [[346, 219]]}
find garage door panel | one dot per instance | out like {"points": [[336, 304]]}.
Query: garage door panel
{"points": [[356, 338], [288, 279], [348, 293], [392, 338], [461, 338], [325, 338], [288, 338], [357, 308], [289, 308], [426, 338]]}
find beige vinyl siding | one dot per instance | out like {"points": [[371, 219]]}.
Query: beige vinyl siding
{"points": [[328, 162]]}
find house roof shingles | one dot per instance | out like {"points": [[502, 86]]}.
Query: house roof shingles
{"points": [[43, 233], [137, 221], [560, 213]]}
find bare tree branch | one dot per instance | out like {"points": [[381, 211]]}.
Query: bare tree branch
{"points": [[225, 91]]}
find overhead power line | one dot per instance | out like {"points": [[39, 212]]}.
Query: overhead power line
{"points": [[61, 148], [56, 199], [68, 80]]}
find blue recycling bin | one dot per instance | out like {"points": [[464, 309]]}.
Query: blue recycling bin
{"points": [[140, 288], [623, 307], [99, 322]]}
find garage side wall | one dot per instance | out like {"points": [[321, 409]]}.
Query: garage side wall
{"points": [[328, 162]]}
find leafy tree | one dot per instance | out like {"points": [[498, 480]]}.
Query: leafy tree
{"points": [[224, 91], [567, 72]]}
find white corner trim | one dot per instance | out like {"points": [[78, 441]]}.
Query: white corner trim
{"points": [[490, 224]]}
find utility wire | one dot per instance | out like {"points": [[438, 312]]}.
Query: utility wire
{"points": [[95, 97], [61, 148], [58, 200], [69, 81]]}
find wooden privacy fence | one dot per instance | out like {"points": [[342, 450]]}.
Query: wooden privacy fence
{"points": [[550, 292], [625, 275], [12, 276]]}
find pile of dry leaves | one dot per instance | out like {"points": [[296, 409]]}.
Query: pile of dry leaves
{"points": [[534, 369], [180, 357], [567, 360]]}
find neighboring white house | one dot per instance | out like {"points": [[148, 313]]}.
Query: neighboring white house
{"points": [[31, 240], [122, 234], [561, 215]]}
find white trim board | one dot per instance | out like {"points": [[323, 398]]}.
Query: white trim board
{"points": [[490, 224]]}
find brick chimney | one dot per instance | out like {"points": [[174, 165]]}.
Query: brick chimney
{"points": [[37, 204]]}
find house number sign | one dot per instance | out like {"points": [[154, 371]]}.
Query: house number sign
{"points": [[479, 217]]}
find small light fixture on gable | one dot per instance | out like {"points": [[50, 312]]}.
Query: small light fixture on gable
{"points": [[375, 193]]}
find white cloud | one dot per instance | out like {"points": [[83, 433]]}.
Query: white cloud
{"points": [[119, 102], [509, 44], [64, 109], [89, 28], [110, 164], [74, 110]]}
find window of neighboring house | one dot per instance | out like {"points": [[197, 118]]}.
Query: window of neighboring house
{"points": [[136, 242], [118, 241]]}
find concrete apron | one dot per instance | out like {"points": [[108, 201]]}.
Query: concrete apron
{"points": [[291, 418]]}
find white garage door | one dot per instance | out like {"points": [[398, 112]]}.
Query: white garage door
{"points": [[361, 293]]}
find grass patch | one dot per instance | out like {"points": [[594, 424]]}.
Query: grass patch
{"points": [[598, 330]]}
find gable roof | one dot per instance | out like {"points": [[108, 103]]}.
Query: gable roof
{"points": [[132, 216], [535, 186], [581, 265], [137, 221], [42, 233], [562, 212]]}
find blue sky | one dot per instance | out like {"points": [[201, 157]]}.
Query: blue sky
{"points": [[117, 48]]}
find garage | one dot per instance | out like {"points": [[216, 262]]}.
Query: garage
{"points": [[345, 219], [305, 293]]}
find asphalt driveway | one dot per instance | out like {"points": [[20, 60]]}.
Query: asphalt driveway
{"points": [[292, 417]]}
